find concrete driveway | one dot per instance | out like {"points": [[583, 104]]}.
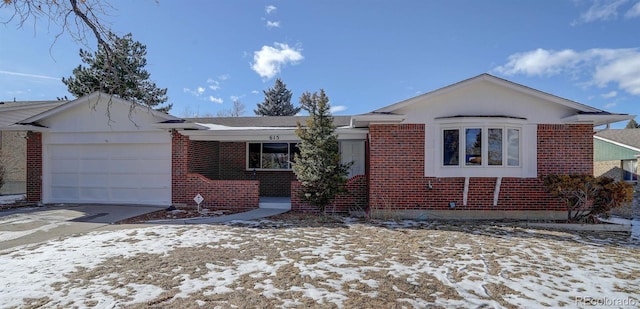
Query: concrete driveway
{"points": [[38, 224]]}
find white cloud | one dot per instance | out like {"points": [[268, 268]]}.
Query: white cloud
{"points": [[213, 84], [255, 91], [634, 11], [215, 100], [625, 71], [603, 66], [273, 24], [540, 62], [610, 94], [600, 10], [610, 105], [338, 108], [270, 9], [268, 61], [196, 92]]}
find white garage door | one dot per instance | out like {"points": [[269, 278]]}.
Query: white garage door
{"points": [[109, 174]]}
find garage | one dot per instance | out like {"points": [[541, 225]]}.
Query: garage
{"points": [[109, 173], [101, 149]]}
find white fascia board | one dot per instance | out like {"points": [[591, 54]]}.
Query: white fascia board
{"points": [[264, 134], [596, 120], [24, 127], [367, 119]]}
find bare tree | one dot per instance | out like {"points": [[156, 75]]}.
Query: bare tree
{"points": [[236, 110], [77, 18]]}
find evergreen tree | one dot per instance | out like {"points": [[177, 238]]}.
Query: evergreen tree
{"points": [[318, 166], [632, 124], [123, 74], [277, 101]]}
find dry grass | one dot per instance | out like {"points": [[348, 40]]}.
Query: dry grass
{"points": [[282, 261]]}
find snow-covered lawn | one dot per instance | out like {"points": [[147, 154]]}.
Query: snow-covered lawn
{"points": [[351, 265]]}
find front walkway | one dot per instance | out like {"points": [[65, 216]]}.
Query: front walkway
{"points": [[271, 202], [242, 216], [269, 206]]}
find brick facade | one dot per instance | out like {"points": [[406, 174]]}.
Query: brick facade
{"points": [[356, 197], [223, 194], [227, 161], [565, 149], [217, 171], [397, 179], [34, 167]]}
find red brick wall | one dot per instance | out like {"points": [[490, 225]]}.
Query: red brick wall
{"points": [[34, 166], [565, 149], [397, 181], [223, 194], [204, 158], [179, 168], [220, 161], [354, 199]]}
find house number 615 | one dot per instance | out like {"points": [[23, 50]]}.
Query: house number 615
{"points": [[274, 137]]}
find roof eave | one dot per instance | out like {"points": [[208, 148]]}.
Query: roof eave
{"points": [[596, 119], [180, 126], [365, 120], [24, 127], [95, 96]]}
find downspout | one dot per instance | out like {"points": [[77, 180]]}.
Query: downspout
{"points": [[496, 192]]}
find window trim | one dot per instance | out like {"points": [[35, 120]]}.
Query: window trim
{"points": [[433, 148]]}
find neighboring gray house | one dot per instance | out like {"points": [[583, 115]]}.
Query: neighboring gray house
{"points": [[13, 148], [616, 153]]}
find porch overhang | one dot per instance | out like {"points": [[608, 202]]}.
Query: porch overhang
{"points": [[24, 127], [249, 134]]}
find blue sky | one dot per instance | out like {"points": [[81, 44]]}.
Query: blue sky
{"points": [[365, 54]]}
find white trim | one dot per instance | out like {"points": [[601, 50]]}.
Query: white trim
{"points": [[434, 166], [24, 127], [597, 119], [368, 119], [269, 134]]}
